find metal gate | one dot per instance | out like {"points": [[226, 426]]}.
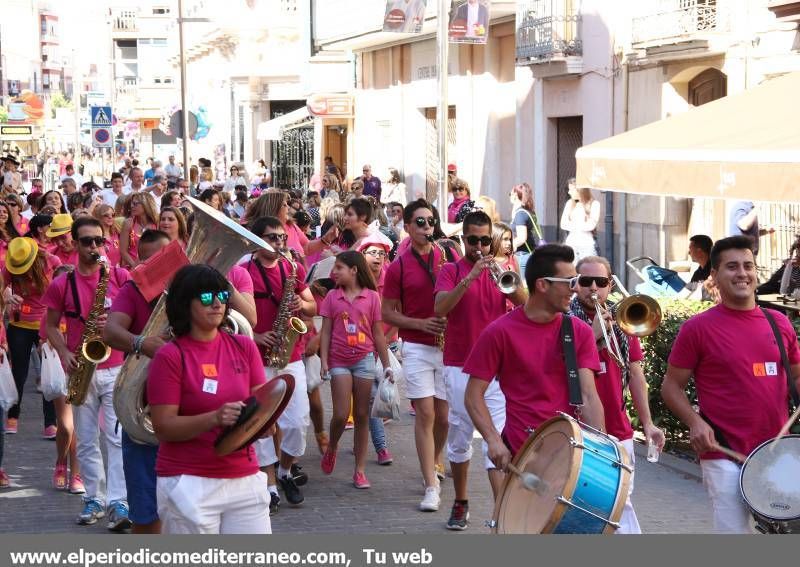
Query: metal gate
{"points": [[293, 159], [774, 248], [569, 139]]}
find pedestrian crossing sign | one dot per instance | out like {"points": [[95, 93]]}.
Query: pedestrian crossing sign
{"points": [[101, 115]]}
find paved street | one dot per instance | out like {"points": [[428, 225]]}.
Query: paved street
{"points": [[666, 500]]}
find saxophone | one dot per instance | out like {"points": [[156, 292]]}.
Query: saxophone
{"points": [[91, 350], [287, 328]]}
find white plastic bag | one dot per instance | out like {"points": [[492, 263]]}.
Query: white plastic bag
{"points": [[8, 389], [54, 381], [394, 364], [387, 401], [313, 377]]}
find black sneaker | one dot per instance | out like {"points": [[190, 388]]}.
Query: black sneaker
{"points": [[274, 503], [300, 478], [459, 517], [293, 495]]}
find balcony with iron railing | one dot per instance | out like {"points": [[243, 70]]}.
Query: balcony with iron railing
{"points": [[124, 20], [127, 86], [664, 22], [548, 30]]}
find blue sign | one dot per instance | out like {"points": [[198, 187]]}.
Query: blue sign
{"points": [[101, 115]]}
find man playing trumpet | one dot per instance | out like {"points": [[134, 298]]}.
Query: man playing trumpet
{"points": [[468, 295], [618, 370]]}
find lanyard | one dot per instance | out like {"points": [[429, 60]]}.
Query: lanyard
{"points": [[270, 293], [427, 267]]}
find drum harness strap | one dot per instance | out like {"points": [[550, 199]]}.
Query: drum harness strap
{"points": [[571, 362]]}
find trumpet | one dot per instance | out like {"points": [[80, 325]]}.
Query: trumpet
{"points": [[507, 281], [637, 315]]}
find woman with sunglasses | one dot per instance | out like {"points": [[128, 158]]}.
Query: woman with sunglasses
{"points": [[461, 204], [105, 214], [15, 204], [140, 215], [172, 222], [196, 386]]}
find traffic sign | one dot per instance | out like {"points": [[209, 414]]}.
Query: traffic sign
{"points": [[101, 115], [101, 137]]}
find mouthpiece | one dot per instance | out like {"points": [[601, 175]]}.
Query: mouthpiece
{"points": [[96, 258], [430, 238]]}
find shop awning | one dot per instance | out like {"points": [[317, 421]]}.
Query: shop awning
{"points": [[744, 146], [273, 129]]}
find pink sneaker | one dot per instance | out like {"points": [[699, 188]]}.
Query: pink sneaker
{"points": [[11, 425], [360, 480], [5, 482], [49, 432], [328, 461], [76, 485], [385, 457], [60, 477]]}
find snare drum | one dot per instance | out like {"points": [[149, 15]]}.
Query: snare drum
{"points": [[769, 485], [585, 475]]}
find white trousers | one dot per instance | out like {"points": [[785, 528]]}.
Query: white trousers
{"points": [[628, 523], [721, 479], [459, 435], [190, 504], [109, 485], [293, 421]]}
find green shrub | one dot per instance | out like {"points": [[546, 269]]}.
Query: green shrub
{"points": [[656, 349]]}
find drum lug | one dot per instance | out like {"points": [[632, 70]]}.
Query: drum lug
{"points": [[490, 524], [571, 504]]}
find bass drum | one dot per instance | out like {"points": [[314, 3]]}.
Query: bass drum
{"points": [[585, 477], [769, 485]]}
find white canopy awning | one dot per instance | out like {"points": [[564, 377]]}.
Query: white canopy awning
{"points": [[744, 146], [273, 129]]}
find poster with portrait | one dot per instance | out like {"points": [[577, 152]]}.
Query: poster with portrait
{"points": [[404, 16], [469, 21]]}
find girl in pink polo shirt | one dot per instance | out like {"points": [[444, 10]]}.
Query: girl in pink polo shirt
{"points": [[352, 331]]}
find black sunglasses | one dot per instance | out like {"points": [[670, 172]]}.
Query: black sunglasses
{"points": [[473, 240], [420, 221], [587, 281], [207, 297], [276, 237], [89, 240], [12, 204]]}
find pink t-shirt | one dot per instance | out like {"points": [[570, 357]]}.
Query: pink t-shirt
{"points": [[131, 302], [70, 258], [527, 359], [609, 388], [32, 309], [199, 377], [408, 281], [268, 296], [741, 386], [59, 297], [297, 240], [481, 304], [112, 250], [351, 325], [240, 280]]}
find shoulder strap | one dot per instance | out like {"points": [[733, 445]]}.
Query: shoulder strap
{"points": [[784, 358], [400, 259], [76, 314], [571, 361]]}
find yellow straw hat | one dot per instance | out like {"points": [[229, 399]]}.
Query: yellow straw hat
{"points": [[21, 254], [62, 223]]}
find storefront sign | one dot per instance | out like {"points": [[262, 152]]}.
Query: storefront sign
{"points": [[16, 132], [331, 105]]}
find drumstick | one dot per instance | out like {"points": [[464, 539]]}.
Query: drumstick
{"points": [[529, 480], [786, 426], [730, 452]]}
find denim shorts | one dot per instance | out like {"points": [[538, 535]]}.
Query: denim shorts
{"points": [[139, 463], [364, 368]]}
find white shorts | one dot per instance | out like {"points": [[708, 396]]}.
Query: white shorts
{"points": [[459, 436], [721, 479], [423, 368], [189, 504], [293, 421], [628, 522]]}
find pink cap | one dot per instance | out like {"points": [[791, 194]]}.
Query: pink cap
{"points": [[375, 239]]}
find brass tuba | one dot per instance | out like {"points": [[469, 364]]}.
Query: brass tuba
{"points": [[218, 242]]}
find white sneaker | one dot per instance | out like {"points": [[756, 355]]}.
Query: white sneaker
{"points": [[431, 501]]}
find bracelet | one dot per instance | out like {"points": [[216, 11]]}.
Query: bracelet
{"points": [[325, 242], [138, 340]]}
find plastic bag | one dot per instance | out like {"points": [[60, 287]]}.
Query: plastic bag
{"points": [[387, 401], [54, 381], [8, 389], [313, 378], [394, 364]]}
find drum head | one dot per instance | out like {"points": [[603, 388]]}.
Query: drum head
{"points": [[549, 455], [261, 411], [769, 479]]}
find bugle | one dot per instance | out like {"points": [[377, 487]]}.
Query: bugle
{"points": [[507, 281]]}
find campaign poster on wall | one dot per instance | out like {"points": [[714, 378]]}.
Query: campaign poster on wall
{"points": [[469, 21], [404, 16]]}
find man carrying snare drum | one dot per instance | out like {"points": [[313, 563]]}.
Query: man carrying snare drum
{"points": [[523, 349], [742, 388]]}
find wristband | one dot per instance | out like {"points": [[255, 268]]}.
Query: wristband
{"points": [[138, 340]]}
